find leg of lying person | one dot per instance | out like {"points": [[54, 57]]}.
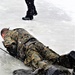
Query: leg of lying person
{"points": [[67, 60]]}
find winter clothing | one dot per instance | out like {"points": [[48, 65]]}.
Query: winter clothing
{"points": [[31, 10], [29, 50]]}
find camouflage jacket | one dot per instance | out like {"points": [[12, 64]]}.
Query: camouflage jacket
{"points": [[17, 36]]}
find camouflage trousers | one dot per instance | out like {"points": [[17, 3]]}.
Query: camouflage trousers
{"points": [[38, 55]]}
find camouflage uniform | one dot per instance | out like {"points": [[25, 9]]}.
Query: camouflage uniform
{"points": [[29, 49]]}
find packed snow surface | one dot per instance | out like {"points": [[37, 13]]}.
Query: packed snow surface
{"points": [[54, 26]]}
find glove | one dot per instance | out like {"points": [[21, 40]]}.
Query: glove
{"points": [[12, 49]]}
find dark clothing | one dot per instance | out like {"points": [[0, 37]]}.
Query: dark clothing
{"points": [[31, 10], [31, 7]]}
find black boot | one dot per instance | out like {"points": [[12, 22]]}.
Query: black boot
{"points": [[34, 12], [71, 57], [27, 18], [67, 60]]}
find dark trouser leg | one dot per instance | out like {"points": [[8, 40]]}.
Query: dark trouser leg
{"points": [[34, 9], [31, 7], [67, 61], [29, 13], [31, 10]]}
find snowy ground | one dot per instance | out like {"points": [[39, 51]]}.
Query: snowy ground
{"points": [[54, 26]]}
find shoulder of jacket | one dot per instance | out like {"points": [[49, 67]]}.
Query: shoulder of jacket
{"points": [[19, 29], [10, 32]]}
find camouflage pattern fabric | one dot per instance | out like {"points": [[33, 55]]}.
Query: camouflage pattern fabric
{"points": [[29, 50], [37, 52]]}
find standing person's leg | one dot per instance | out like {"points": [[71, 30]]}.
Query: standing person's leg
{"points": [[34, 9], [31, 10], [29, 14], [31, 7]]}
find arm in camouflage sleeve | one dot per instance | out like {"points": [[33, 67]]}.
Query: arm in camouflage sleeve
{"points": [[10, 37], [10, 42]]}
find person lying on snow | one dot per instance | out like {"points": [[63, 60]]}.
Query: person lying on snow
{"points": [[23, 46]]}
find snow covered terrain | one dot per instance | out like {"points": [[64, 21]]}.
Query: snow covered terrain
{"points": [[54, 26]]}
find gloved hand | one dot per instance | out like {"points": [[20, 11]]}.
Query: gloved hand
{"points": [[12, 49]]}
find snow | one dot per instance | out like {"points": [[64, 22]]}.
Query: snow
{"points": [[54, 26]]}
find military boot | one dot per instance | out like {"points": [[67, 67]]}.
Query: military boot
{"points": [[67, 60], [29, 16], [71, 57], [34, 12]]}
